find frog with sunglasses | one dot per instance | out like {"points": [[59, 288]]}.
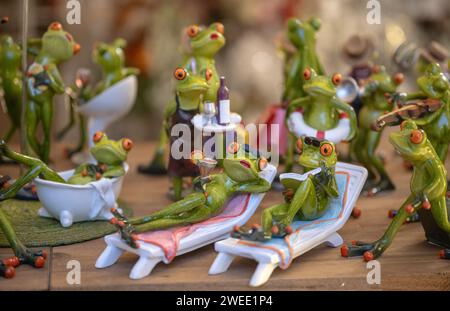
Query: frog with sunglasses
{"points": [[307, 200]]}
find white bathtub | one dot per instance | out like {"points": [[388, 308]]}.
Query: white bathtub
{"points": [[74, 203]]}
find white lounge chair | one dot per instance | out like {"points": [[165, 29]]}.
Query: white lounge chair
{"points": [[280, 252], [194, 237]]}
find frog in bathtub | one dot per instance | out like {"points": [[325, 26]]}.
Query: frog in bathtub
{"points": [[304, 200], [240, 174], [110, 155]]}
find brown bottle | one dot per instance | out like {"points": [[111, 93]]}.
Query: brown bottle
{"points": [[223, 103]]}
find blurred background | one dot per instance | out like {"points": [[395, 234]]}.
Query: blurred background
{"points": [[251, 59]]}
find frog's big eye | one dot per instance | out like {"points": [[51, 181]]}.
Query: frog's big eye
{"points": [[220, 28], [326, 149], [180, 73], [336, 79], [376, 69], [299, 145], [55, 26], [398, 78], [98, 136], [208, 74], [233, 148], [127, 144], [307, 74], [262, 164], [192, 31], [416, 136]]}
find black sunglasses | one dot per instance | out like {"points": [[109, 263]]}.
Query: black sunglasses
{"points": [[312, 141]]}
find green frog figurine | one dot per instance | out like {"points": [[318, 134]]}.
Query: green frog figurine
{"points": [[379, 85], [43, 82], [305, 200], [204, 43], [428, 195], [321, 109], [433, 85], [240, 175], [11, 81], [110, 156]]}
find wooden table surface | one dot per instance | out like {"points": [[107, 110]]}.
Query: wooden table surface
{"points": [[409, 264]]}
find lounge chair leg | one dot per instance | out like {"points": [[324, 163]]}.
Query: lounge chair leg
{"points": [[109, 257], [334, 240], [143, 267], [221, 263], [262, 274]]}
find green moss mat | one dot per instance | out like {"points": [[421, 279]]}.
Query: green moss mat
{"points": [[36, 231]]}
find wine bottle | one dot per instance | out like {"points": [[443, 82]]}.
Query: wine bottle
{"points": [[223, 107]]}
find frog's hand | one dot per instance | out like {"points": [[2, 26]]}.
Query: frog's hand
{"points": [[258, 186], [320, 69], [340, 105], [81, 168], [56, 81], [115, 171]]}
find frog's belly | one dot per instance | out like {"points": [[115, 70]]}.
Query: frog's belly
{"points": [[299, 127]]}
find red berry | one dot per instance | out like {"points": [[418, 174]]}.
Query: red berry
{"points": [[392, 213], [113, 221], [368, 256], [344, 251], [289, 230], [354, 242], [236, 228], [113, 210], [356, 213], [442, 254], [121, 223], [39, 262], [10, 272], [134, 237]]}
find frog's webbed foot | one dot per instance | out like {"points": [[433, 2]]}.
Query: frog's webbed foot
{"points": [[126, 230], [27, 257], [382, 186], [7, 271], [368, 250], [444, 254], [410, 219], [255, 234]]}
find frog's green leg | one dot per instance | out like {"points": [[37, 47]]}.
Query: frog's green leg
{"points": [[374, 250], [385, 183], [114, 171], [272, 215], [340, 105], [63, 132], [33, 111], [83, 136], [11, 132], [362, 155], [261, 185], [177, 184], [24, 255], [47, 117]]}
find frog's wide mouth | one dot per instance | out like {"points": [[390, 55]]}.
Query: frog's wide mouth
{"points": [[317, 90], [214, 39], [106, 152], [193, 88], [245, 163]]}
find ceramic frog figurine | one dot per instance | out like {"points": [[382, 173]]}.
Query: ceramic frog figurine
{"points": [[433, 85], [304, 200], [374, 104], [111, 59], [204, 43], [428, 188], [240, 175], [43, 82], [11, 81], [189, 91], [110, 156], [302, 34], [321, 106]]}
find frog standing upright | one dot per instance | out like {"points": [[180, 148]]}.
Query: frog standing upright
{"points": [[428, 195], [204, 44], [321, 110], [240, 175], [11, 81], [306, 200], [43, 82], [374, 104]]}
